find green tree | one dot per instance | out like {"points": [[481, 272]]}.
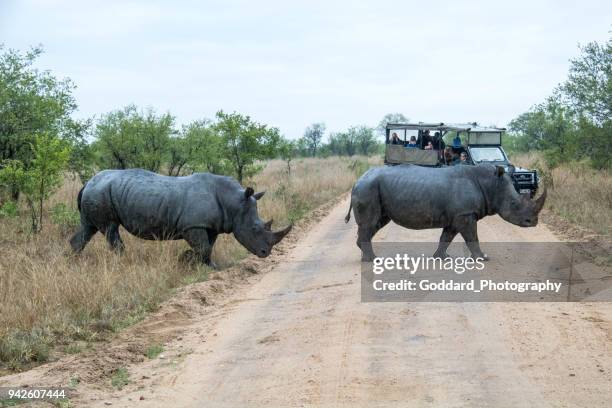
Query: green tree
{"points": [[12, 175], [549, 127], [31, 102], [390, 118], [335, 145], [364, 137], [348, 141], [243, 142], [204, 147], [313, 135], [301, 146], [287, 150], [589, 83], [42, 178], [130, 138], [81, 161]]}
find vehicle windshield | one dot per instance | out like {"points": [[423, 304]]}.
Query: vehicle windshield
{"points": [[491, 154]]}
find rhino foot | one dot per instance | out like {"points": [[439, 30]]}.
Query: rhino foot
{"points": [[367, 257], [192, 258], [441, 255]]}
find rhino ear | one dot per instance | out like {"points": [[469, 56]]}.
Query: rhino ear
{"points": [[248, 192], [259, 195], [499, 171]]}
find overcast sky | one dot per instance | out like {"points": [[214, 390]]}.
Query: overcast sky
{"points": [[289, 63]]}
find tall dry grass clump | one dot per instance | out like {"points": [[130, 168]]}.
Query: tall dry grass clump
{"points": [[49, 296], [576, 192]]}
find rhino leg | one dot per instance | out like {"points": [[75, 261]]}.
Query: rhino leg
{"points": [[212, 238], [470, 235], [448, 234], [202, 244], [114, 239], [82, 237], [364, 241], [370, 218]]}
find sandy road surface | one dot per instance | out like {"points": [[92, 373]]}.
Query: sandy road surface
{"points": [[301, 337]]}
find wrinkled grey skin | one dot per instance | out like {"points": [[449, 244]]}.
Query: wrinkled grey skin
{"points": [[195, 208], [452, 198]]}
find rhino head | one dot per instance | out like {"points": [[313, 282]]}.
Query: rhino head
{"points": [[254, 234], [513, 207]]}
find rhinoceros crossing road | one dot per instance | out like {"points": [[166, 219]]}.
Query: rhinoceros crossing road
{"points": [[301, 337]]}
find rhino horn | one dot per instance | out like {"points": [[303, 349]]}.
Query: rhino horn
{"points": [[268, 224], [277, 236], [539, 203], [259, 195]]}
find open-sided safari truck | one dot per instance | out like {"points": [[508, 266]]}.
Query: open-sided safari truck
{"points": [[423, 144]]}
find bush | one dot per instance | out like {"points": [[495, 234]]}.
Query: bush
{"points": [[9, 210]]}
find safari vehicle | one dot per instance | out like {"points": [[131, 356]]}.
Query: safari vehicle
{"points": [[482, 146]]}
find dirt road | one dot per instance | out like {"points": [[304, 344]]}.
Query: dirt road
{"points": [[301, 337]]}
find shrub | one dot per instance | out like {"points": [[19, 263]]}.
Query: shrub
{"points": [[9, 209]]}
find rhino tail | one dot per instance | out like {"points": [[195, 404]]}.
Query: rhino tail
{"points": [[80, 196], [348, 215]]}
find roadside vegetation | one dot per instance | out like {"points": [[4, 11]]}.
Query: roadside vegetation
{"points": [[576, 192]]}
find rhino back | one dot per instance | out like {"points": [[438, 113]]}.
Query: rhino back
{"points": [[152, 206], [421, 197]]}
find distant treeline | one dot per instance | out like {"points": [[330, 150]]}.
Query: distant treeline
{"points": [[575, 123]]}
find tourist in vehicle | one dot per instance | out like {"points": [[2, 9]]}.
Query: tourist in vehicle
{"points": [[395, 139], [412, 143], [455, 158], [426, 138], [429, 146], [457, 141], [438, 143], [460, 159], [448, 155]]}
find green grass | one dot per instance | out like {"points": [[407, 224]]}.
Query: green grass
{"points": [[74, 348], [120, 378], [18, 347], [9, 402], [199, 275], [154, 350], [74, 381], [62, 403]]}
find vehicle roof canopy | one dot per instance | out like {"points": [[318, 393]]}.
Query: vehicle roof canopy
{"points": [[441, 126]]}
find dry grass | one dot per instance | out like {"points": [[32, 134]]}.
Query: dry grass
{"points": [[49, 296], [576, 192]]}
